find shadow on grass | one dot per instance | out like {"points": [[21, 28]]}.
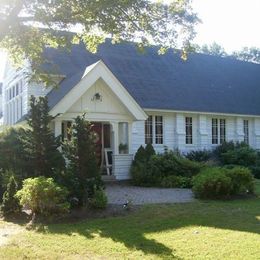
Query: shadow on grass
{"points": [[131, 230]]}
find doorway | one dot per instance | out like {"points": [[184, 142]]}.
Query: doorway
{"points": [[102, 141]]}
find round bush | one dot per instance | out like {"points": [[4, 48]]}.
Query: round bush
{"points": [[212, 183], [242, 180], [43, 196]]}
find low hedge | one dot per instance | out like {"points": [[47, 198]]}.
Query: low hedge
{"points": [[158, 169]]}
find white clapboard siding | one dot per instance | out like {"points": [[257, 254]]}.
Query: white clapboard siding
{"points": [[121, 166]]}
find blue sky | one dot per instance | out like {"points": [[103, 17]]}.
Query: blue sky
{"points": [[231, 23]]}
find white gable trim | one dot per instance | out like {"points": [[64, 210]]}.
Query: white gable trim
{"points": [[91, 75]]}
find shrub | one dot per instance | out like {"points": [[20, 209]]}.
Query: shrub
{"points": [[242, 180], [199, 156], [176, 182], [212, 183], [43, 196], [151, 172], [140, 169], [141, 175], [99, 199], [149, 151], [255, 171], [236, 153], [170, 164], [244, 156], [10, 203]]}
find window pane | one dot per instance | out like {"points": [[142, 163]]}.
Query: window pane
{"points": [[188, 130], [158, 129], [149, 130], [222, 131], [246, 132], [214, 131]]}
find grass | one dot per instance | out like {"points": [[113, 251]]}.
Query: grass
{"points": [[198, 230]]}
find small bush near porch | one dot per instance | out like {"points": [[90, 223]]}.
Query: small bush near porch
{"points": [[198, 230]]}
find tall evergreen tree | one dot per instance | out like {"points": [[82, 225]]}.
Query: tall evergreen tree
{"points": [[83, 170], [40, 143]]}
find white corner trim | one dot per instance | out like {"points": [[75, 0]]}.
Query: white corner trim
{"points": [[91, 75]]}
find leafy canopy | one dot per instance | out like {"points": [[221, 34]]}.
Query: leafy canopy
{"points": [[144, 21]]}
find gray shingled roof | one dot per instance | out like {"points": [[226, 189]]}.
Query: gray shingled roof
{"points": [[203, 83]]}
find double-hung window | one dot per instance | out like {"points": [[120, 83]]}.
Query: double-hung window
{"points": [[188, 121], [154, 130], [218, 131], [246, 132], [222, 130], [149, 130]]}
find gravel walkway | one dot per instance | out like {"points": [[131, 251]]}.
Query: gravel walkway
{"points": [[120, 193]]}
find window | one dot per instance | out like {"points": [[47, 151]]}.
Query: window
{"points": [[149, 130], [151, 135], [188, 130], [222, 131], [218, 131], [66, 128], [16, 89], [246, 132], [214, 131], [158, 129]]}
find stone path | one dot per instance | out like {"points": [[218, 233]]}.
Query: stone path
{"points": [[119, 194]]}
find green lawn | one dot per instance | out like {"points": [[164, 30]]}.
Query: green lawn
{"points": [[198, 230]]}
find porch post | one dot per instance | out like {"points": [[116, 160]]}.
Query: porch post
{"points": [[130, 126], [57, 128], [115, 137]]}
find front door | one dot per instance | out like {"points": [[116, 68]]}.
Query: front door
{"points": [[102, 140], [97, 128]]}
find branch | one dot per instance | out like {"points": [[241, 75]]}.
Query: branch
{"points": [[11, 19]]}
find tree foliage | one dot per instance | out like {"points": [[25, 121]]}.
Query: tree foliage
{"points": [[213, 49], [144, 21], [40, 143], [82, 169], [10, 203], [251, 54], [12, 155], [43, 196]]}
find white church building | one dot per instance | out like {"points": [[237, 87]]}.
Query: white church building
{"points": [[134, 99]]}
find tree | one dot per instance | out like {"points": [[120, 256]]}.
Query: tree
{"points": [[40, 143], [213, 49], [251, 54], [12, 152], [10, 202], [83, 172], [144, 21]]}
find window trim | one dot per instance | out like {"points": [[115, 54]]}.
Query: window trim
{"points": [[188, 128], [158, 135], [153, 133], [246, 131], [218, 137]]}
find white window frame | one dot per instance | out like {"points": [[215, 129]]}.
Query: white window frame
{"points": [[188, 136], [155, 136], [220, 125], [246, 131]]}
